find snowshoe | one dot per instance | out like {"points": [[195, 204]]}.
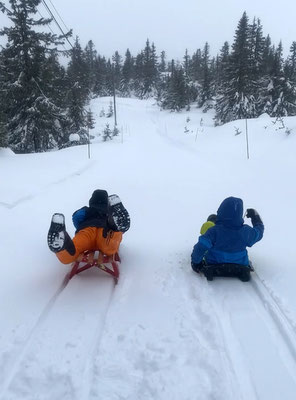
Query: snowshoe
{"points": [[57, 237], [119, 217]]}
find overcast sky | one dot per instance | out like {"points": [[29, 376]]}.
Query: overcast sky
{"points": [[172, 25]]}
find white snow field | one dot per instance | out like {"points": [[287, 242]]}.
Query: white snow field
{"points": [[164, 332]]}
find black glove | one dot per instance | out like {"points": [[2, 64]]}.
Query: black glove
{"points": [[255, 217], [197, 267]]}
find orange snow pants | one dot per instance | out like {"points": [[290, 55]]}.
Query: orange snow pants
{"points": [[92, 239]]}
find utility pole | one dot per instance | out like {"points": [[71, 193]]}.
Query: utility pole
{"points": [[114, 95]]}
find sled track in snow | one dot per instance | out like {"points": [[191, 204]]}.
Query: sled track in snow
{"points": [[36, 332], [95, 349], [259, 338], [280, 318]]}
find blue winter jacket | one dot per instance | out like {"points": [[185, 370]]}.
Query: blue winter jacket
{"points": [[226, 242]]}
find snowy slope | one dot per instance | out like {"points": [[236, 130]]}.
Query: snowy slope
{"points": [[163, 332]]}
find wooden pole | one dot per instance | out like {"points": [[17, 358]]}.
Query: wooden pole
{"points": [[247, 139]]}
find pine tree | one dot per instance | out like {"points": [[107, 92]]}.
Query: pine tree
{"points": [[265, 84], [195, 66], [175, 95], [206, 92], [3, 117], [109, 84], [90, 55], [282, 91], [257, 47], [236, 99], [139, 75], [126, 85], [162, 64], [78, 92], [149, 69], [33, 120], [90, 121], [222, 64], [107, 133], [100, 76], [149, 73], [116, 70], [291, 63]]}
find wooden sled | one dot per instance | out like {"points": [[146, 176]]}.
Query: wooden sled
{"points": [[89, 259]]}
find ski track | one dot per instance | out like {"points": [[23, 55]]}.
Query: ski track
{"points": [[65, 374], [248, 313]]}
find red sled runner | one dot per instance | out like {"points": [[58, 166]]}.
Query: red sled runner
{"points": [[88, 259]]}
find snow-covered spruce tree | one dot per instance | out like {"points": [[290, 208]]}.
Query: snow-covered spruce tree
{"points": [[138, 75], [264, 95], [100, 76], [3, 117], [281, 88], [235, 99], [206, 92], [107, 133], [90, 121], [109, 79], [193, 73], [195, 66], [257, 48], [150, 69], [126, 84], [78, 93], [175, 95], [34, 119], [116, 70], [90, 55], [292, 63], [221, 64], [162, 65], [186, 63], [146, 72]]}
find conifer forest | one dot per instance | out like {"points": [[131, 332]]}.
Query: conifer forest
{"points": [[44, 99]]}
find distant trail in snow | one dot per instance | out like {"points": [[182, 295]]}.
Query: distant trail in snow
{"points": [[34, 195]]}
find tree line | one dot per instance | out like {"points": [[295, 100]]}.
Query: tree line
{"points": [[43, 102]]}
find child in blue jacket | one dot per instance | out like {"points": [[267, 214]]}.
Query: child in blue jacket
{"points": [[226, 241]]}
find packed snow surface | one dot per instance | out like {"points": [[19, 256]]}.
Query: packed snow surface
{"points": [[163, 332]]}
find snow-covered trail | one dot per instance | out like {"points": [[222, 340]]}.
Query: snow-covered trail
{"points": [[163, 332]]}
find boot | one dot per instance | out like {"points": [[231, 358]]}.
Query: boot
{"points": [[58, 238]]}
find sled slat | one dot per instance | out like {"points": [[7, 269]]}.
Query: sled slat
{"points": [[90, 259]]}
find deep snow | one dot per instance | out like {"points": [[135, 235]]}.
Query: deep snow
{"points": [[163, 332]]}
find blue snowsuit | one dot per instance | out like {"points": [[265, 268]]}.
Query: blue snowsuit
{"points": [[226, 242]]}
